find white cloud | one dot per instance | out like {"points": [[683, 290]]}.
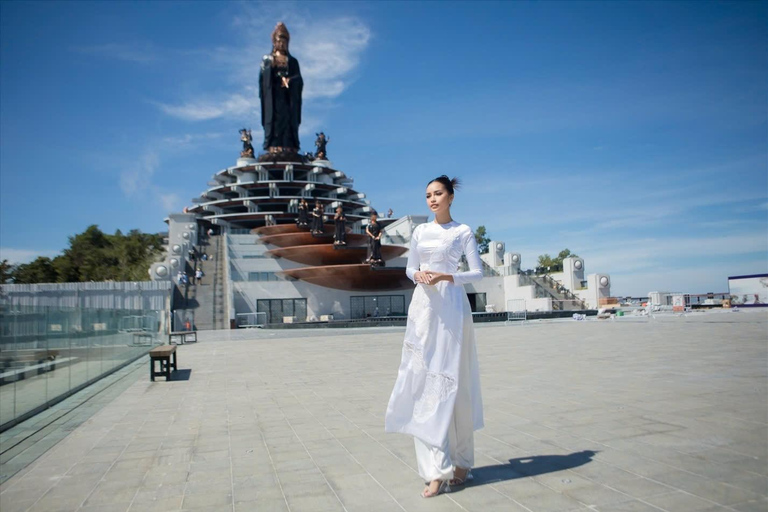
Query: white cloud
{"points": [[141, 53], [138, 177], [328, 49], [698, 277], [170, 201], [16, 256], [637, 254], [137, 180], [233, 105], [191, 139]]}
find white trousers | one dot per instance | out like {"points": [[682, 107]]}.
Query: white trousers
{"points": [[438, 462]]}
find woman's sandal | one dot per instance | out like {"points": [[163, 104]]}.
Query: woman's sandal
{"points": [[442, 488], [461, 481]]}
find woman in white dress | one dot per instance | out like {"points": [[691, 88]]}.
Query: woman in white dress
{"points": [[436, 397]]}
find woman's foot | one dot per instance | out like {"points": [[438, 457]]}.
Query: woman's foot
{"points": [[460, 476], [435, 488]]}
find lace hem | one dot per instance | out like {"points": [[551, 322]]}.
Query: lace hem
{"points": [[437, 386]]}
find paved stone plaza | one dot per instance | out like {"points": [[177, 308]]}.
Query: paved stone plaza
{"points": [[635, 415]]}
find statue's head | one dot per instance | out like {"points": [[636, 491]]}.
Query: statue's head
{"points": [[280, 38]]}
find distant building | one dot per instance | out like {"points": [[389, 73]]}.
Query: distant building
{"points": [[265, 268]]}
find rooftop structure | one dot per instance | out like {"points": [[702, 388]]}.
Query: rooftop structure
{"points": [[273, 269], [606, 415]]}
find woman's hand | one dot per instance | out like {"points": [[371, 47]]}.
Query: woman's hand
{"points": [[421, 277], [430, 277]]}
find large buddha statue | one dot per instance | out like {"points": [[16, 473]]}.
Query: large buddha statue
{"points": [[280, 87]]}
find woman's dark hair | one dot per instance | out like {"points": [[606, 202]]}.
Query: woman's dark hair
{"points": [[449, 184]]}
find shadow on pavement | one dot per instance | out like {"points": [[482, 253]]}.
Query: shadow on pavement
{"points": [[181, 375], [529, 466]]}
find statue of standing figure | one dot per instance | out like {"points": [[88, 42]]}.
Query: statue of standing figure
{"points": [[317, 219], [340, 223], [373, 230], [321, 142], [303, 220], [280, 88], [245, 136]]}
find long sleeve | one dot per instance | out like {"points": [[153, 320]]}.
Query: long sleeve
{"points": [[414, 262], [475, 272]]}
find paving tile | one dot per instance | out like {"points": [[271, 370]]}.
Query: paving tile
{"points": [[758, 505], [680, 500], [319, 502], [650, 424], [596, 495], [208, 501], [630, 506], [109, 507], [641, 487], [266, 505], [11, 505]]}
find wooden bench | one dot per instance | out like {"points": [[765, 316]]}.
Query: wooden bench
{"points": [[166, 355], [182, 337]]}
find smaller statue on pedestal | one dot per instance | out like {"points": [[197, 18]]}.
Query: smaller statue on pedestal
{"points": [[303, 220], [317, 219], [374, 241], [340, 222], [320, 143], [245, 136]]}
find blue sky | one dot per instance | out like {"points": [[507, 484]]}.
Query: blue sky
{"points": [[633, 133]]}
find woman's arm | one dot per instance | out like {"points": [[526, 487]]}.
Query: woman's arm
{"points": [[475, 272], [414, 262]]}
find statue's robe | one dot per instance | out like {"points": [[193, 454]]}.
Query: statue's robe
{"points": [[280, 107]]}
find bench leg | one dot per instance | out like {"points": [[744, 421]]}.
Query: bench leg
{"points": [[168, 368], [175, 368], [151, 369]]}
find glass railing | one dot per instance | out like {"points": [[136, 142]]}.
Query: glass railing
{"points": [[47, 353]]}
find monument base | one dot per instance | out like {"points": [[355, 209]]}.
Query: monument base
{"points": [[282, 155], [243, 161], [323, 163]]}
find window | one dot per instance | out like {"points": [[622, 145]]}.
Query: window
{"points": [[377, 306], [264, 276], [276, 309]]}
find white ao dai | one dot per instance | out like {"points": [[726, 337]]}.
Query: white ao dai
{"points": [[439, 328]]}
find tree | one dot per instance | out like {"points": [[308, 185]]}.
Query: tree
{"points": [[95, 256], [41, 270], [545, 260], [483, 241], [6, 271], [565, 253]]}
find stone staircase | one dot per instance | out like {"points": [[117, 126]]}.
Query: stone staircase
{"points": [[209, 294], [546, 287], [562, 298]]}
